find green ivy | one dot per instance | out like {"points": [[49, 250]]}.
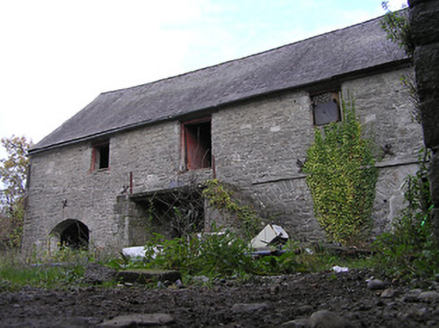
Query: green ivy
{"points": [[221, 197], [342, 178]]}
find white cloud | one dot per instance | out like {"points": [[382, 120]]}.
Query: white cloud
{"points": [[397, 4]]}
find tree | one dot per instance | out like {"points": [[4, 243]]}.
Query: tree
{"points": [[397, 27], [398, 30], [13, 174]]}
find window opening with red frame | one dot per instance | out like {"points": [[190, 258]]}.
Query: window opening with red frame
{"points": [[101, 156], [197, 144]]}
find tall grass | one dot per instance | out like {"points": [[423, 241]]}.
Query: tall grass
{"points": [[61, 269]]}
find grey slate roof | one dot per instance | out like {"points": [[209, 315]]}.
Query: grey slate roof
{"points": [[323, 57]]}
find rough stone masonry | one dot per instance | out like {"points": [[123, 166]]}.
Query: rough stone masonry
{"points": [[424, 21]]}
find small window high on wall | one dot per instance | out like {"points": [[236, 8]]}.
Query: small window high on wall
{"points": [[101, 156], [326, 108], [197, 144]]}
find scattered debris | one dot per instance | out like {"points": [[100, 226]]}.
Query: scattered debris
{"points": [[309, 251], [262, 244], [138, 252], [271, 235], [339, 269], [200, 279]]}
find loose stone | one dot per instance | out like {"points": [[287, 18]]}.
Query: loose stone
{"points": [[327, 319], [375, 284]]}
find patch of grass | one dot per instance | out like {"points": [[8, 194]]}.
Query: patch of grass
{"points": [[17, 271], [41, 277], [57, 270]]}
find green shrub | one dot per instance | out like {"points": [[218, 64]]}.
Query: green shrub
{"points": [[342, 178], [213, 255], [408, 250], [217, 256]]}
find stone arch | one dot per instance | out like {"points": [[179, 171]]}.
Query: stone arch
{"points": [[71, 233]]}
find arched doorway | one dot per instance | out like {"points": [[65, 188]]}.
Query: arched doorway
{"points": [[72, 234]]}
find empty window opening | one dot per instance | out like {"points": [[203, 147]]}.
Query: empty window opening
{"points": [[101, 156], [326, 108], [197, 144], [72, 234]]}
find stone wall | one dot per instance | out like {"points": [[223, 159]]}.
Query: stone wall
{"points": [[255, 145], [424, 22], [63, 187]]}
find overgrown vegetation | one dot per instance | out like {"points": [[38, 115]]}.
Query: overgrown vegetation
{"points": [[221, 197], [397, 27], [342, 178], [213, 255], [226, 255], [13, 174], [409, 250], [180, 211], [62, 269]]}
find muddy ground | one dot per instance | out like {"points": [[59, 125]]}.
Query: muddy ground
{"points": [[261, 303]]}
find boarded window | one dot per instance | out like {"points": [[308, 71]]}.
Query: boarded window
{"points": [[101, 156], [197, 144], [326, 108]]}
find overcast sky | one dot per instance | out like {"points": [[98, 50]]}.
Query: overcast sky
{"points": [[58, 55]]}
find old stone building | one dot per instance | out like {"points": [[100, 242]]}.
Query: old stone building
{"points": [[245, 122]]}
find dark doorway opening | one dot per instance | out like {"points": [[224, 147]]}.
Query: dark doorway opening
{"points": [[72, 234]]}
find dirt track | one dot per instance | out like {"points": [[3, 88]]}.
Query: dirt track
{"points": [[263, 303]]}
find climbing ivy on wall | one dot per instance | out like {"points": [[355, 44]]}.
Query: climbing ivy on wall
{"points": [[221, 197], [342, 178]]}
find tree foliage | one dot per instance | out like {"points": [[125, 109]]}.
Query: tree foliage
{"points": [[398, 30], [342, 178], [397, 27], [13, 173]]}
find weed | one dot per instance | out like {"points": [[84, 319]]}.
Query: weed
{"points": [[409, 250]]}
